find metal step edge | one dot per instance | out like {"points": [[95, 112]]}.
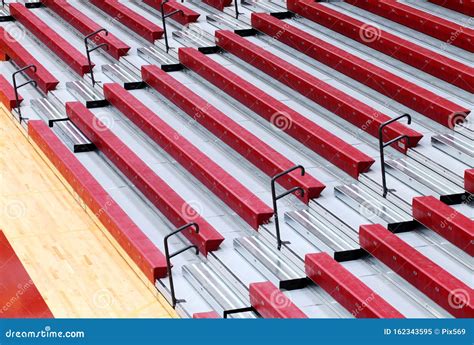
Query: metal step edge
{"points": [[372, 213], [411, 173], [319, 211], [222, 298], [341, 251], [454, 148], [431, 165], [272, 265]]}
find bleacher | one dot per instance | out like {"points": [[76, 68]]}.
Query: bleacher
{"points": [[266, 159]]}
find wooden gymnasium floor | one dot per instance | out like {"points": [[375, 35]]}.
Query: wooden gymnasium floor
{"points": [[74, 265]]}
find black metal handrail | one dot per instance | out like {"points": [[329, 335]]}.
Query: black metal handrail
{"points": [[238, 311], [163, 19], [16, 87], [275, 198], [236, 4], [90, 50], [383, 145], [174, 301]]}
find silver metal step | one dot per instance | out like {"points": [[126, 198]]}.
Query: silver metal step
{"points": [[194, 36], [375, 208], [86, 93], [318, 230], [261, 6], [225, 22], [121, 74], [215, 290], [271, 263], [423, 180], [154, 55], [72, 135], [439, 169], [455, 146]]}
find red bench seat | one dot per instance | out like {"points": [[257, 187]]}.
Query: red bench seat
{"points": [[434, 26], [446, 221], [86, 26], [360, 300], [128, 235], [246, 204], [158, 192], [15, 51], [336, 101], [321, 141], [7, 94], [51, 39], [187, 15], [271, 303], [426, 60], [401, 90], [241, 140], [131, 19], [435, 282]]}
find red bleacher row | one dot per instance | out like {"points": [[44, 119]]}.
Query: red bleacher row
{"points": [[132, 20], [462, 6], [185, 17], [19, 297], [226, 187], [133, 241], [51, 39], [401, 90], [86, 26], [230, 132], [446, 221], [146, 180], [7, 94], [336, 101], [334, 149], [219, 4], [13, 50], [271, 303], [355, 296], [440, 28], [442, 287], [469, 181], [347, 289], [449, 70]]}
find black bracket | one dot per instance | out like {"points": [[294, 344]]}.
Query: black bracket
{"points": [[6, 18], [174, 301], [16, 87], [238, 311], [383, 145], [90, 50], [275, 198], [163, 19], [53, 121]]}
